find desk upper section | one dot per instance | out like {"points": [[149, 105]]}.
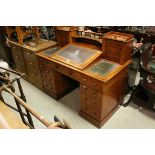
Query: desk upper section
{"points": [[86, 71]]}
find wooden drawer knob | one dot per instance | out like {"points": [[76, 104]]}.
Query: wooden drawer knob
{"points": [[57, 67], [70, 72], [85, 98], [94, 103], [94, 94], [95, 113]]}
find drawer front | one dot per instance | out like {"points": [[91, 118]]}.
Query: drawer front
{"points": [[67, 71], [113, 58], [91, 102], [93, 113], [113, 43], [31, 60], [113, 51], [35, 80], [91, 107], [95, 94], [91, 82]]}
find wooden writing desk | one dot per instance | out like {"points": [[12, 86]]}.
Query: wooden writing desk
{"points": [[100, 95], [13, 121]]}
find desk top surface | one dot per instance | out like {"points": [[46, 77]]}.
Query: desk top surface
{"points": [[102, 77], [13, 121]]}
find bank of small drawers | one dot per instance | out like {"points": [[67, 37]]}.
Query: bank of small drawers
{"points": [[18, 58], [47, 75], [113, 43], [91, 101]]}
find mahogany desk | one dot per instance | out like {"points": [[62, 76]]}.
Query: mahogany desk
{"points": [[100, 96]]}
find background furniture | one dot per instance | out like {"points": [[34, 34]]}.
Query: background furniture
{"points": [[64, 34], [144, 93]]}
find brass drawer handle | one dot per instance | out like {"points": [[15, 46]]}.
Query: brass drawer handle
{"points": [[40, 65], [30, 63], [28, 53]]}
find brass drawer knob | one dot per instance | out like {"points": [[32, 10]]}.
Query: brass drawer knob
{"points": [[94, 84], [30, 63], [84, 87], [84, 80]]}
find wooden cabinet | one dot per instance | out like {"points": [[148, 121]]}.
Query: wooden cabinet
{"points": [[19, 59], [64, 34]]}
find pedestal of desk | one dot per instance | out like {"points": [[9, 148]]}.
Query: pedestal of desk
{"points": [[96, 106]]}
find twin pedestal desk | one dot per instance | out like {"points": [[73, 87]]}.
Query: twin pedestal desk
{"points": [[101, 76]]}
